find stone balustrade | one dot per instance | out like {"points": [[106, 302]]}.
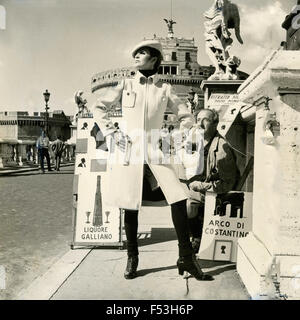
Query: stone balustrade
{"points": [[19, 154]]}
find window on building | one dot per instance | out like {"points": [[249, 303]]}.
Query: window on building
{"points": [[173, 70], [188, 56], [167, 70], [174, 56], [160, 70]]}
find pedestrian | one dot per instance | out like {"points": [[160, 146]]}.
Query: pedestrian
{"points": [[145, 99], [57, 147], [220, 174], [42, 145]]}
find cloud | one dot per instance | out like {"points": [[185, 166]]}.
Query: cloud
{"points": [[261, 31]]}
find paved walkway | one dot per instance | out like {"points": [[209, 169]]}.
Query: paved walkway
{"points": [[97, 274], [26, 168], [36, 225]]}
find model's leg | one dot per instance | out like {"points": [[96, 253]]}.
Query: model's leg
{"points": [[187, 260], [195, 212], [180, 221], [131, 227]]}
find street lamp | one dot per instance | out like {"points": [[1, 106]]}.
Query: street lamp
{"points": [[46, 97]]}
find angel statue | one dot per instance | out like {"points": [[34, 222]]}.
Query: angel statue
{"points": [[222, 16], [81, 103], [170, 27]]}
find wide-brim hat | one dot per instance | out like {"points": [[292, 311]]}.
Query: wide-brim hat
{"points": [[155, 44]]}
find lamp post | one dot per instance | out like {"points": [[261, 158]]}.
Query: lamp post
{"points": [[46, 97]]}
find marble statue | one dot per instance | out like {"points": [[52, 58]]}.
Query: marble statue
{"points": [[219, 18], [81, 104], [170, 26]]}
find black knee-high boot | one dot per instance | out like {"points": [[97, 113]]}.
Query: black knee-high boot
{"points": [[187, 260], [131, 227], [195, 226], [180, 221]]}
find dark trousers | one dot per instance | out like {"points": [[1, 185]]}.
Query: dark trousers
{"points": [[180, 221], [57, 162], [43, 152]]}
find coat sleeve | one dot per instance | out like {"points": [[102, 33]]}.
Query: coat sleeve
{"points": [[107, 98], [225, 177]]}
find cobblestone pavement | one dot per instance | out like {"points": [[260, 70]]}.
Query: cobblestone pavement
{"points": [[35, 225]]}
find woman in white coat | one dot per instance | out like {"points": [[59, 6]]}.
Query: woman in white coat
{"points": [[144, 101]]}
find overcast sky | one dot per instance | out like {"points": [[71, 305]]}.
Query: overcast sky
{"points": [[60, 44]]}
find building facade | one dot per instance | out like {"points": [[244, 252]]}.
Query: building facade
{"points": [[19, 132], [179, 68]]}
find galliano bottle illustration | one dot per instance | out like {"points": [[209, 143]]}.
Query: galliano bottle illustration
{"points": [[98, 219]]}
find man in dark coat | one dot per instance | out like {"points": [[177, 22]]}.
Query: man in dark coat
{"points": [[58, 147], [220, 173]]}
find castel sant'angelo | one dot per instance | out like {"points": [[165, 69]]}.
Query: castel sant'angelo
{"points": [[179, 67]]}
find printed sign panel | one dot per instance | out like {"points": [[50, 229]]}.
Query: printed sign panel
{"points": [[222, 99], [223, 250], [227, 218], [228, 106], [94, 222]]}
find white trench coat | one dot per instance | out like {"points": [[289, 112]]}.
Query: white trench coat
{"points": [[144, 102]]}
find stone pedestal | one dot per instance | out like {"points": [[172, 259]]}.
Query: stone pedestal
{"points": [[219, 86], [222, 96], [268, 260]]}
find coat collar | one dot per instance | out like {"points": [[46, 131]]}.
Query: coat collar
{"points": [[139, 77], [215, 142]]}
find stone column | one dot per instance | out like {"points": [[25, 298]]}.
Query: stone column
{"points": [[14, 152], [268, 260], [20, 150], [31, 153], [2, 161], [36, 155]]}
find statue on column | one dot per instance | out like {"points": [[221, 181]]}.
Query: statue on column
{"points": [[222, 16], [81, 104]]}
